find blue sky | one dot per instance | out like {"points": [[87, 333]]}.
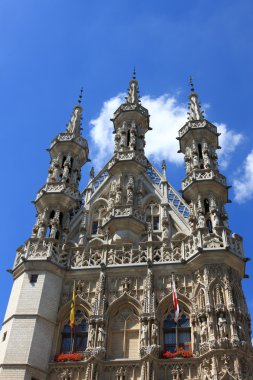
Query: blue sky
{"points": [[49, 49]]}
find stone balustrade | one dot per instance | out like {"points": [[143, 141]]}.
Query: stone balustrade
{"points": [[193, 125], [203, 175], [175, 251]]}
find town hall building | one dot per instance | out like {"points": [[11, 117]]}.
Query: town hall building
{"points": [[112, 254]]}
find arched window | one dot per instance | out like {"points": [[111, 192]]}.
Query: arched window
{"points": [[200, 151], [177, 333], [124, 337], [206, 205], [128, 137], [78, 340]]}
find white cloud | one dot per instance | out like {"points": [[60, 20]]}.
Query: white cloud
{"points": [[101, 133], [228, 141], [167, 117], [243, 185]]}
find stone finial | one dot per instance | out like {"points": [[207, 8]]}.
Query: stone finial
{"points": [[74, 125], [133, 91], [164, 168], [195, 112]]}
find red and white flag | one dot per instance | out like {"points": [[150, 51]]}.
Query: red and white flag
{"points": [[175, 300]]}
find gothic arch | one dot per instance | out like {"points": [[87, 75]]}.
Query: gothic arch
{"points": [[151, 197], [95, 242], [165, 315], [167, 300], [98, 203], [63, 318], [124, 299], [199, 286], [217, 292], [123, 332], [64, 311], [201, 298]]}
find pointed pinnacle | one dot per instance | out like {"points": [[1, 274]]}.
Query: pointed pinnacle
{"points": [[191, 84], [80, 96]]}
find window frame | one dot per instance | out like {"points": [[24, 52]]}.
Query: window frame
{"points": [[125, 332], [185, 345], [76, 334]]}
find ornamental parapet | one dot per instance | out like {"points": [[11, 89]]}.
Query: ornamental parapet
{"points": [[69, 137], [176, 251], [60, 188], [203, 175], [199, 366], [127, 156], [122, 211], [197, 125], [42, 249]]}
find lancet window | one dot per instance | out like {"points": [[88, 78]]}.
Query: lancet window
{"points": [[177, 335], [77, 340], [218, 295], [153, 215], [206, 206], [124, 335]]}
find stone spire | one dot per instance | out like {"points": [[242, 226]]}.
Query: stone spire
{"points": [[204, 187], [60, 196], [131, 122], [195, 112], [74, 125]]}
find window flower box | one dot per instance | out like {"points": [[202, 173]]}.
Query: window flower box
{"points": [[180, 352], [68, 357]]}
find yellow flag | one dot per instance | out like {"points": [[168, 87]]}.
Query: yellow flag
{"points": [[72, 308]]}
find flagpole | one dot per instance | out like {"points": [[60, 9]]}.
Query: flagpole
{"points": [[175, 305], [72, 317], [177, 336]]}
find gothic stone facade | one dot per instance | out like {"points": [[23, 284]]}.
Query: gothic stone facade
{"points": [[121, 241]]}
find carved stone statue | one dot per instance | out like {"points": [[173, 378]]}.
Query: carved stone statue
{"points": [[101, 337], [215, 219], [117, 141], [91, 337], [144, 335], [111, 200], [54, 171], [41, 231], [123, 135], [195, 113], [166, 229], [222, 324], [74, 120], [133, 93], [203, 330], [118, 197], [133, 137], [53, 231], [187, 166], [65, 172], [206, 161], [195, 161], [154, 333], [201, 220]]}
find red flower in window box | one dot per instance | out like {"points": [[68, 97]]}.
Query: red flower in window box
{"points": [[75, 356], [180, 352]]}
